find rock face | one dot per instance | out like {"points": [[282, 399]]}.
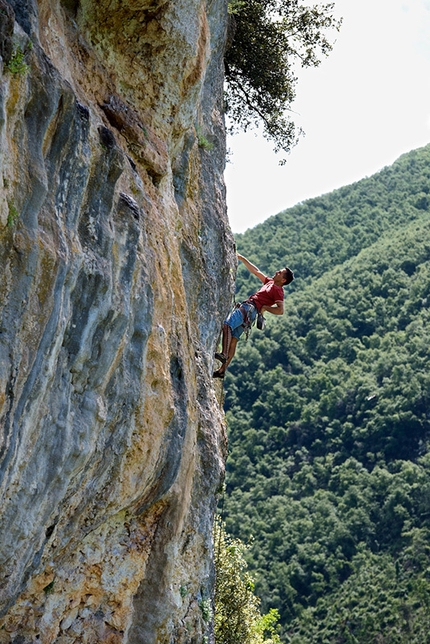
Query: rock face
{"points": [[116, 270]]}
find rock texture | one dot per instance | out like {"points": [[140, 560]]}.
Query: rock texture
{"points": [[116, 270]]}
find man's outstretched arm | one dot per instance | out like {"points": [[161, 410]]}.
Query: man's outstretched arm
{"points": [[252, 269]]}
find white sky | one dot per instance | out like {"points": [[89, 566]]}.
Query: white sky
{"points": [[364, 106]]}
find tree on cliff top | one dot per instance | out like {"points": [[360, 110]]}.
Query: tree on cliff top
{"points": [[270, 38]]}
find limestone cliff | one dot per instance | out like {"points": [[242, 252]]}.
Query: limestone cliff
{"points": [[116, 269]]}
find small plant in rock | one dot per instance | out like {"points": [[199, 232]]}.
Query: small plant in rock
{"points": [[17, 64], [206, 609], [49, 588], [203, 141], [13, 215]]}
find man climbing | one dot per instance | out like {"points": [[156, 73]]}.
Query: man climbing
{"points": [[270, 299]]}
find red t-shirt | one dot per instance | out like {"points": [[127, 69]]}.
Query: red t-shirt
{"points": [[268, 294]]}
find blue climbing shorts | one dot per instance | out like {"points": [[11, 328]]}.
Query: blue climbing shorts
{"points": [[235, 319]]}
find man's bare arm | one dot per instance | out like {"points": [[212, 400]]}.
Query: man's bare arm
{"points": [[252, 269], [277, 309]]}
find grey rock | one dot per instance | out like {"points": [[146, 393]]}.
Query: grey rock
{"points": [[117, 268]]}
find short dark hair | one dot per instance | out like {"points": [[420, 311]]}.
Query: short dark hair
{"points": [[289, 275]]}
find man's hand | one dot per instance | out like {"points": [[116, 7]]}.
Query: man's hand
{"points": [[277, 309]]}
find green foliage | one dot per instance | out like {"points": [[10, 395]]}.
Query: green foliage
{"points": [[270, 38], [267, 627], [235, 6], [382, 601], [329, 416], [206, 610], [17, 64], [237, 615], [49, 588], [203, 142], [13, 215]]}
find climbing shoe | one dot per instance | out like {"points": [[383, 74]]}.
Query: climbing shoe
{"points": [[218, 374]]}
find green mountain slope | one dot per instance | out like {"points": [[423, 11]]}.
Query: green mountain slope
{"points": [[329, 418], [324, 232]]}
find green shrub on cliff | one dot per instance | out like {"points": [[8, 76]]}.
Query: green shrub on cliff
{"points": [[13, 215], [237, 615], [270, 39], [17, 64]]}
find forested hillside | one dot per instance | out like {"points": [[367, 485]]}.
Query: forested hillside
{"points": [[329, 415], [324, 232]]}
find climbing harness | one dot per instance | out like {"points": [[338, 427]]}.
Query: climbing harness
{"points": [[249, 314]]}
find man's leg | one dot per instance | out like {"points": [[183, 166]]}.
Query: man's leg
{"points": [[226, 339], [219, 373], [232, 330], [232, 351]]}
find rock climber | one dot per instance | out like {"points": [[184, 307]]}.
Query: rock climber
{"points": [[268, 299]]}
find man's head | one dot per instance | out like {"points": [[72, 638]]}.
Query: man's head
{"points": [[289, 275], [283, 277]]}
